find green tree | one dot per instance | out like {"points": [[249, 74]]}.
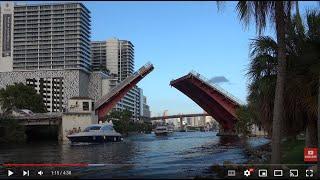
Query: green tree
{"points": [[279, 13], [121, 120], [123, 124], [22, 97], [245, 120], [104, 69]]}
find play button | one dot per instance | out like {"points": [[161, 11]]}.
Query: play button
{"points": [[10, 173]]}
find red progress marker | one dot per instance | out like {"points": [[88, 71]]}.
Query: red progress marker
{"points": [[47, 165]]}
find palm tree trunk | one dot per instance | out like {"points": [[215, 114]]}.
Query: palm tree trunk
{"points": [[281, 73], [311, 133]]}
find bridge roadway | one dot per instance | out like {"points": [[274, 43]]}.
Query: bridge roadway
{"points": [[40, 119], [178, 116], [55, 118]]}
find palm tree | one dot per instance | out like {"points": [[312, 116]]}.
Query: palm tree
{"points": [[310, 61], [303, 54], [279, 13]]}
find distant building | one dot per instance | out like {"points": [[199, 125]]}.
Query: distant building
{"points": [[175, 122], [47, 46], [116, 57], [189, 121], [146, 108]]}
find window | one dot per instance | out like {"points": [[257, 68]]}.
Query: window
{"points": [[92, 106], [85, 106], [107, 128], [95, 128]]}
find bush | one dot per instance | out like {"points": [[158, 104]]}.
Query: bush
{"points": [[245, 122], [123, 124]]}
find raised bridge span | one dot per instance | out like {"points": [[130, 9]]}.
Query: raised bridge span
{"points": [[217, 102], [108, 101]]}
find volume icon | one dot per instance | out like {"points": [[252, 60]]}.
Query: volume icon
{"points": [[40, 173]]}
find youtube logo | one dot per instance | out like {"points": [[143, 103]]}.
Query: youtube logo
{"points": [[310, 154]]}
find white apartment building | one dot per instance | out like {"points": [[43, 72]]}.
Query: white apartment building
{"points": [[116, 57], [46, 46]]}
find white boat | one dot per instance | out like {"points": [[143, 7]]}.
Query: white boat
{"points": [[96, 133], [163, 130]]}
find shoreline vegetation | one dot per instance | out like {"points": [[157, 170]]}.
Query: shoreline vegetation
{"points": [[123, 123], [12, 132]]}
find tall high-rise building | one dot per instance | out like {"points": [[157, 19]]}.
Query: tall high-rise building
{"points": [[99, 55], [6, 36], [117, 58], [47, 36], [115, 55], [46, 46]]}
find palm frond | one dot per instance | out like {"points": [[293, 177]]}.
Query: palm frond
{"points": [[263, 45]]}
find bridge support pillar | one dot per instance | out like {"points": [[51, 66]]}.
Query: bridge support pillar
{"points": [[74, 122], [181, 124], [60, 132]]}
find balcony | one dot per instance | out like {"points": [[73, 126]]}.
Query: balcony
{"points": [[20, 22], [20, 16], [58, 51]]}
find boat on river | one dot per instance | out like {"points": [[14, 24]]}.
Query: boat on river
{"points": [[163, 130], [97, 133]]}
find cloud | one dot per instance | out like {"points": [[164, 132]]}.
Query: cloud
{"points": [[218, 80]]}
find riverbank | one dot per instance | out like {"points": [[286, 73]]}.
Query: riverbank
{"points": [[255, 153], [259, 155], [292, 153]]}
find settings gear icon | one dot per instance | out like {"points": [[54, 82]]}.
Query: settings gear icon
{"points": [[248, 172]]}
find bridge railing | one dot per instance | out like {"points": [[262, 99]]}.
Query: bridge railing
{"points": [[39, 116], [218, 88]]}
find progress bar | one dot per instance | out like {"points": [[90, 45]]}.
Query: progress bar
{"points": [[145, 164], [47, 165]]}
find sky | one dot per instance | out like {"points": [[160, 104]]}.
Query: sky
{"points": [[177, 37]]}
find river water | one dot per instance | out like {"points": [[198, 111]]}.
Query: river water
{"points": [[180, 155]]}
